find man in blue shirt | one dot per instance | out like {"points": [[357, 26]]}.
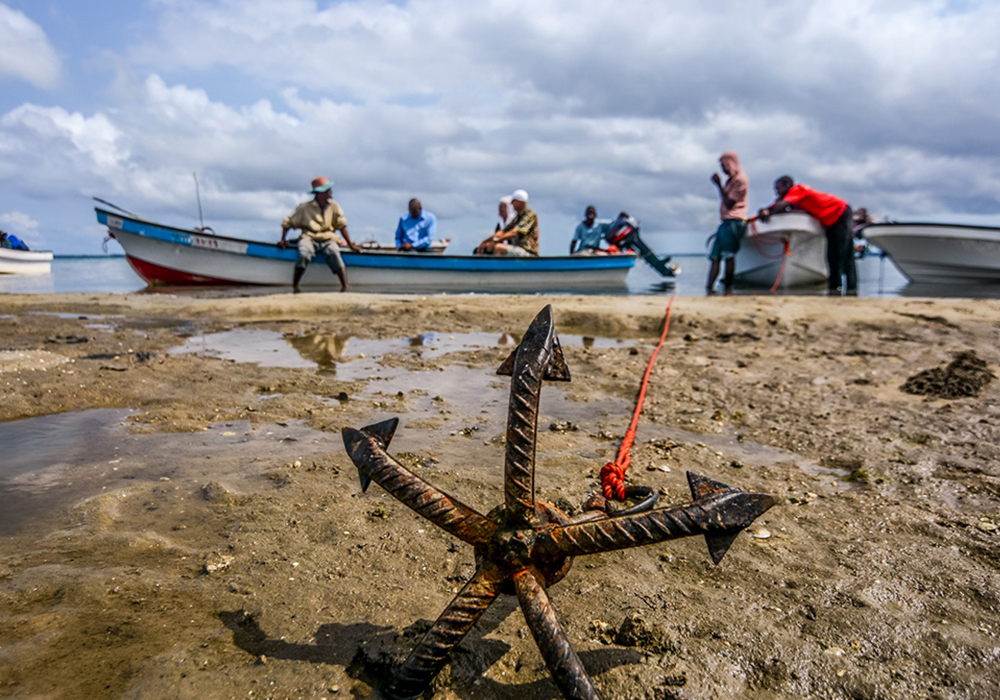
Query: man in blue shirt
{"points": [[416, 231], [589, 236], [9, 240]]}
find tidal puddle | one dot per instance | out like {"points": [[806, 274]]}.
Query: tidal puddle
{"points": [[357, 356], [51, 462], [732, 447], [331, 352]]}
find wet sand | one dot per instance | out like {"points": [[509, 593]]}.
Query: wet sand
{"points": [[178, 517]]}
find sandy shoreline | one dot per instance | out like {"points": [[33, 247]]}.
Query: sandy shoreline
{"points": [[213, 539]]}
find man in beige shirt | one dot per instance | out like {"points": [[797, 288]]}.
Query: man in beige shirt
{"points": [[319, 219]]}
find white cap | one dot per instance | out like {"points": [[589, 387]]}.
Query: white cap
{"points": [[520, 195]]}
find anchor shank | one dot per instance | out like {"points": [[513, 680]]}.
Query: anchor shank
{"points": [[522, 426], [431, 654], [565, 666], [539, 357]]}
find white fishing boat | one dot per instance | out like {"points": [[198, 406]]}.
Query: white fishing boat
{"points": [[163, 255], [940, 253], [787, 251], [25, 262]]}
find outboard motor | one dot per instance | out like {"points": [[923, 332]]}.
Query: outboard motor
{"points": [[624, 235]]}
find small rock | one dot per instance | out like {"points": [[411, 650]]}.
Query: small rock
{"points": [[986, 526], [217, 562], [760, 533]]}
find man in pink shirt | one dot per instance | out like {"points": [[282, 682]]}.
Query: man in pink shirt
{"points": [[834, 215], [733, 212]]}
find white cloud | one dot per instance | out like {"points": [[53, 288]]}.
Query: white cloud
{"points": [[624, 104], [20, 224], [25, 51]]}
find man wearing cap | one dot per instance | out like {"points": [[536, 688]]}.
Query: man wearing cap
{"points": [[588, 239], [319, 220], [519, 237]]}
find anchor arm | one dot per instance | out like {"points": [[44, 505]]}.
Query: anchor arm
{"points": [[431, 654], [719, 512], [565, 666], [367, 452]]}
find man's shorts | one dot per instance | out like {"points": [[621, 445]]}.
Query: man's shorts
{"points": [[517, 251], [308, 247], [727, 239]]}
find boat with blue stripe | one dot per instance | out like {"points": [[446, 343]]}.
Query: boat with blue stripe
{"points": [[168, 256]]}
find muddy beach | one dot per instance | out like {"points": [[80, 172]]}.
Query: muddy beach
{"points": [[178, 517]]}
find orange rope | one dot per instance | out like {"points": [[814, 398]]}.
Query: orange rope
{"points": [[787, 253], [613, 473]]}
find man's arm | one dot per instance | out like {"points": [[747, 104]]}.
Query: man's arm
{"points": [[350, 244], [780, 206], [577, 239], [284, 232], [427, 233]]}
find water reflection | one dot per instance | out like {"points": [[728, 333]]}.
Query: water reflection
{"points": [[326, 350]]}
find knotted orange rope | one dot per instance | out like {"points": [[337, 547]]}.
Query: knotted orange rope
{"points": [[786, 253], [613, 473]]}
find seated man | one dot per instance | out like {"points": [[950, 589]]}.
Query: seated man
{"points": [[588, 239], [416, 231], [520, 236], [9, 240]]}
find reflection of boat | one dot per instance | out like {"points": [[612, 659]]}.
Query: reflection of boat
{"points": [[25, 262], [163, 255], [793, 235], [437, 246], [940, 253]]}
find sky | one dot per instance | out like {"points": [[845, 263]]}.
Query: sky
{"points": [[625, 104]]}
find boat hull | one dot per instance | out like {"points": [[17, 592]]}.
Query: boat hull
{"points": [[163, 255], [25, 262], [762, 253], [940, 253]]}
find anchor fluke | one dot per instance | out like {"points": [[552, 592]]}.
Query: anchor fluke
{"points": [[354, 441], [534, 341], [741, 509]]}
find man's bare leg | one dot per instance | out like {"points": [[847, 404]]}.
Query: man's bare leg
{"points": [[296, 278], [713, 274]]}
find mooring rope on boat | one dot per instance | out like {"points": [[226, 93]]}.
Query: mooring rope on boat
{"points": [[613, 473], [786, 252]]}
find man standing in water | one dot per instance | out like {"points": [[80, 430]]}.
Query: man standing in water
{"points": [[319, 219], [834, 215], [733, 212]]}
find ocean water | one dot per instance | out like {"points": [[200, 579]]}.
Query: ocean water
{"points": [[877, 277]]}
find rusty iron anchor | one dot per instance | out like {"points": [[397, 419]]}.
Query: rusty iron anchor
{"points": [[525, 546]]}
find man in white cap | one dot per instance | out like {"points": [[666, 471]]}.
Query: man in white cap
{"points": [[520, 236], [319, 219]]}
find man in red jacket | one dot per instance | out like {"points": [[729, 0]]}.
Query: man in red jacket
{"points": [[834, 215]]}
